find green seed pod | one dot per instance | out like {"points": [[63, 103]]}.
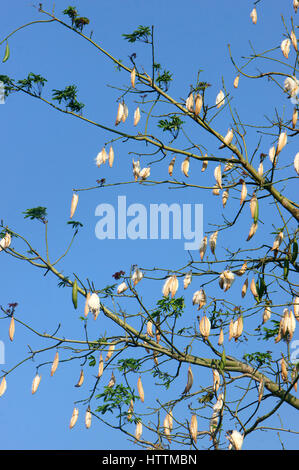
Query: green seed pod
{"points": [[285, 269], [256, 212], [295, 251], [7, 53], [75, 294]]}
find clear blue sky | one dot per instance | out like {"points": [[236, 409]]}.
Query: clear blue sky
{"points": [[45, 154]]}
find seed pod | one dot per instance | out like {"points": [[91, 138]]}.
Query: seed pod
{"points": [[231, 330], [125, 113], [253, 16], [138, 430], [236, 81], [187, 279], [189, 381], [252, 231], [221, 337], [137, 116], [140, 389], [294, 118], [296, 307], [88, 418], [285, 47], [261, 390], [5, 241], [254, 289], [228, 138], [170, 419], [81, 379], [239, 327], [199, 297], [266, 313], [171, 165], [198, 104], [133, 77], [185, 166], [284, 370], [94, 304], [253, 204], [203, 247], [243, 193], [277, 241], [226, 279], [242, 270], [190, 102], [219, 404], [120, 113], [220, 99], [74, 203], [3, 386], [130, 410], [295, 5], [86, 307], [111, 156], [112, 381], [11, 330], [272, 153], [224, 197], [75, 294], [296, 163], [110, 352], [170, 286], [136, 169], [55, 363], [204, 165], [260, 169], [74, 417], [101, 367], [7, 53], [101, 157], [294, 40], [35, 383], [167, 428], [149, 329], [235, 438], [136, 276], [282, 141], [122, 288], [244, 288], [205, 327], [213, 241], [218, 176], [216, 380], [144, 173], [294, 374], [216, 190], [193, 428]]}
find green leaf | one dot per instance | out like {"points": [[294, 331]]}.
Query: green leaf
{"points": [[142, 33], [39, 213]]}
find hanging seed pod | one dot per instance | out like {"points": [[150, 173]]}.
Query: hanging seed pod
{"points": [[220, 99], [167, 428], [296, 307], [218, 176], [125, 113], [205, 327], [260, 169], [261, 390], [228, 138], [140, 389], [170, 286], [294, 374], [88, 418], [284, 370], [11, 330], [254, 289], [285, 47], [242, 270], [133, 77], [136, 169], [75, 294], [243, 192], [198, 104], [3, 386], [101, 157], [111, 156], [221, 280], [5, 241], [216, 380], [130, 410], [122, 288], [185, 166], [294, 118], [221, 337], [295, 5], [252, 231], [193, 428], [171, 165], [236, 81], [137, 116], [266, 313], [189, 381], [74, 417], [219, 404], [244, 288], [224, 197], [110, 352], [136, 276], [199, 298], [228, 279], [55, 363], [277, 241], [272, 153], [35, 383], [81, 379], [282, 141], [231, 330], [204, 165], [144, 173], [101, 367], [138, 430], [296, 163], [253, 16], [291, 86], [253, 205], [239, 327], [170, 419], [187, 279], [190, 102], [235, 438], [213, 241], [120, 113], [94, 304], [112, 381], [149, 329], [203, 247], [294, 40], [216, 190], [74, 204], [86, 307]]}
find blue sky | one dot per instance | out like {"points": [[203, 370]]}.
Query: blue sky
{"points": [[45, 154]]}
